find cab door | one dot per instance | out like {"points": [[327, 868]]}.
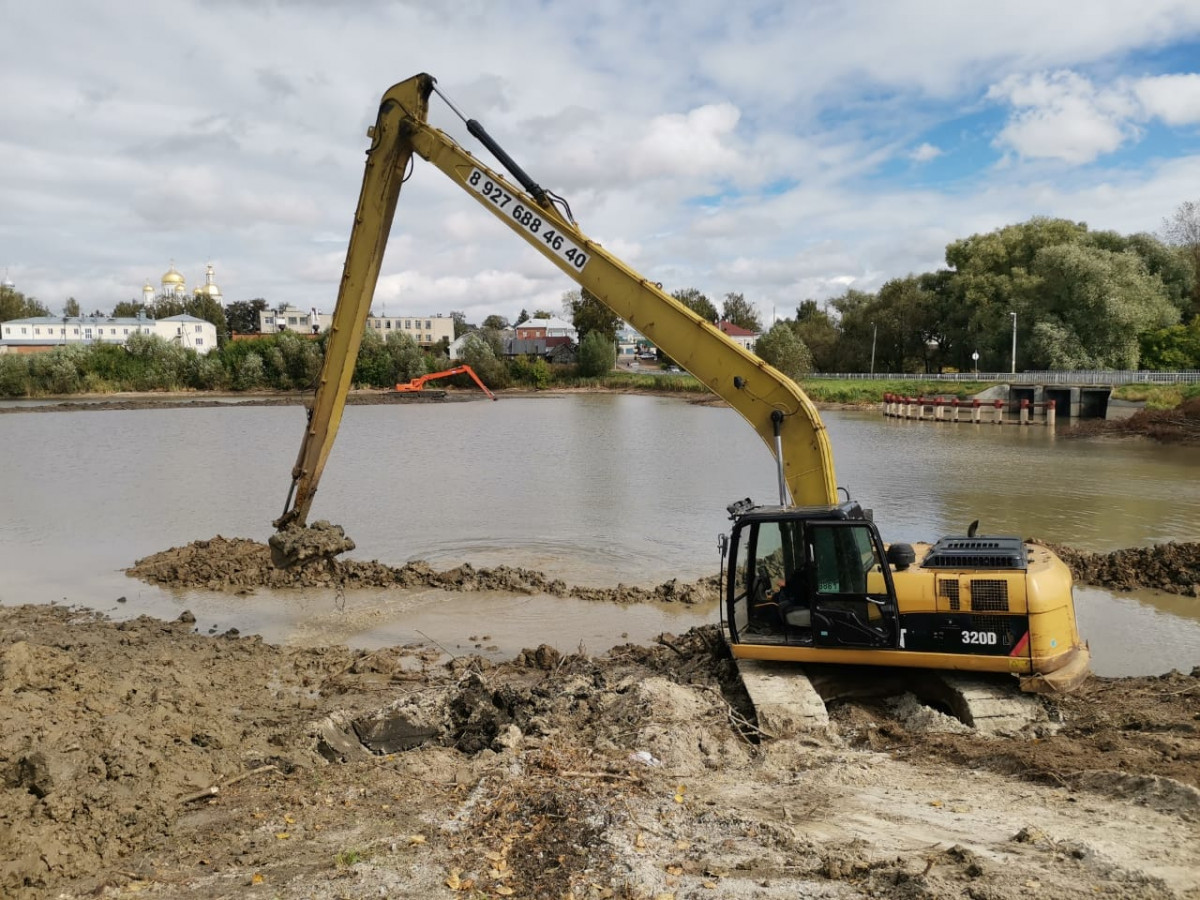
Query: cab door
{"points": [[853, 597]]}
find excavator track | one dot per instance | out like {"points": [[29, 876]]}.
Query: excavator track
{"points": [[791, 700]]}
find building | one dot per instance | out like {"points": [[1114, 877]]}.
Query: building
{"points": [[42, 333], [174, 287], [552, 330], [739, 335], [427, 331]]}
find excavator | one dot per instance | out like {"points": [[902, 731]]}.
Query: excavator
{"points": [[418, 384], [808, 579]]}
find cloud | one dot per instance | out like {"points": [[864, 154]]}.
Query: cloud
{"points": [[925, 153], [1173, 98], [1063, 116]]}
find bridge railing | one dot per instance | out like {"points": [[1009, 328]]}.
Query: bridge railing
{"points": [[1096, 376]]}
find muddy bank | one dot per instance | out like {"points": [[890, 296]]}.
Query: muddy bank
{"points": [[101, 403], [140, 757], [1180, 425], [1171, 567], [238, 565]]}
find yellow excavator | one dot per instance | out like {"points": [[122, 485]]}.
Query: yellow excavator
{"points": [[807, 580]]}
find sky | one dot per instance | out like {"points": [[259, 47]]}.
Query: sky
{"points": [[782, 150]]}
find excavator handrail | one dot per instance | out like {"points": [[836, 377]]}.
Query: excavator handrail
{"points": [[772, 403], [417, 383]]}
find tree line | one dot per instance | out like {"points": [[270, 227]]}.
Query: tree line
{"points": [[1072, 298]]}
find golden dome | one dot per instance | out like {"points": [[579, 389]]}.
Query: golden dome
{"points": [[172, 276]]}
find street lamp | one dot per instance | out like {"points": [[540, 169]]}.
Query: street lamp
{"points": [[1014, 352], [874, 334]]}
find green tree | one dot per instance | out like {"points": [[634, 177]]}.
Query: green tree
{"points": [[738, 310], [408, 358], [781, 348], [819, 333], [523, 317], [241, 316], [460, 323], [497, 323], [1092, 305], [697, 303], [15, 305], [1174, 347], [483, 351], [71, 307], [589, 315], [375, 366], [597, 354], [14, 375]]}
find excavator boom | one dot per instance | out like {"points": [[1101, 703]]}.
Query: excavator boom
{"points": [[772, 403]]}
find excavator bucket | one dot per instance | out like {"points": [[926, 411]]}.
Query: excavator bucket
{"points": [[304, 544]]}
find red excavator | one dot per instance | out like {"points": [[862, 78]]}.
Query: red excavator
{"points": [[418, 383]]}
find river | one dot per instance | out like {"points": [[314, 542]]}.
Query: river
{"points": [[594, 488]]}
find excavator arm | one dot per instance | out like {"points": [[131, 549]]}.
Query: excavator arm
{"points": [[771, 402], [418, 383]]}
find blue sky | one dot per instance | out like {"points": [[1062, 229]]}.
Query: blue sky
{"points": [[782, 150]]}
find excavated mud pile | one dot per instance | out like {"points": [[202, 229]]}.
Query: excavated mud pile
{"points": [[238, 565], [1172, 567]]}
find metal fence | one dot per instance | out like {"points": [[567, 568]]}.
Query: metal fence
{"points": [[1104, 377]]}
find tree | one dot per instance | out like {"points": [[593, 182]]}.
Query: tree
{"points": [[1175, 347], [460, 323], [1092, 306], [588, 314], [241, 316], [740, 312], [523, 317], [819, 333], [483, 351], [1182, 230], [497, 323], [781, 348], [597, 354], [71, 307], [407, 356], [697, 303], [15, 305]]}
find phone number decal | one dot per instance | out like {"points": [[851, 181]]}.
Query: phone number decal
{"points": [[528, 218]]}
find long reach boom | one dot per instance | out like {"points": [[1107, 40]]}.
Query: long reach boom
{"points": [[771, 402]]}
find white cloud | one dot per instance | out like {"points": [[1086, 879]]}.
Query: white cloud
{"points": [[1063, 116], [1173, 98], [925, 152], [726, 147]]}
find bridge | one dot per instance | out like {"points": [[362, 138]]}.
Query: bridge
{"points": [[1075, 395]]}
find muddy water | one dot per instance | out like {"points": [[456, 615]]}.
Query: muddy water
{"points": [[595, 489]]}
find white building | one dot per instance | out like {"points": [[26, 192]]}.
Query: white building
{"points": [[46, 332], [425, 330]]}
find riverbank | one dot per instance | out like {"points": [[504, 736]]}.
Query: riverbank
{"points": [[140, 757]]}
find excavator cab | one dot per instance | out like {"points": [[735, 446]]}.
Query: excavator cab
{"points": [[809, 577]]}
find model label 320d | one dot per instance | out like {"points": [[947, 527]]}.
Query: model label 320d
{"points": [[528, 218]]}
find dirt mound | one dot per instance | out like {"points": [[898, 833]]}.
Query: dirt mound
{"points": [[1172, 567], [238, 565]]}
